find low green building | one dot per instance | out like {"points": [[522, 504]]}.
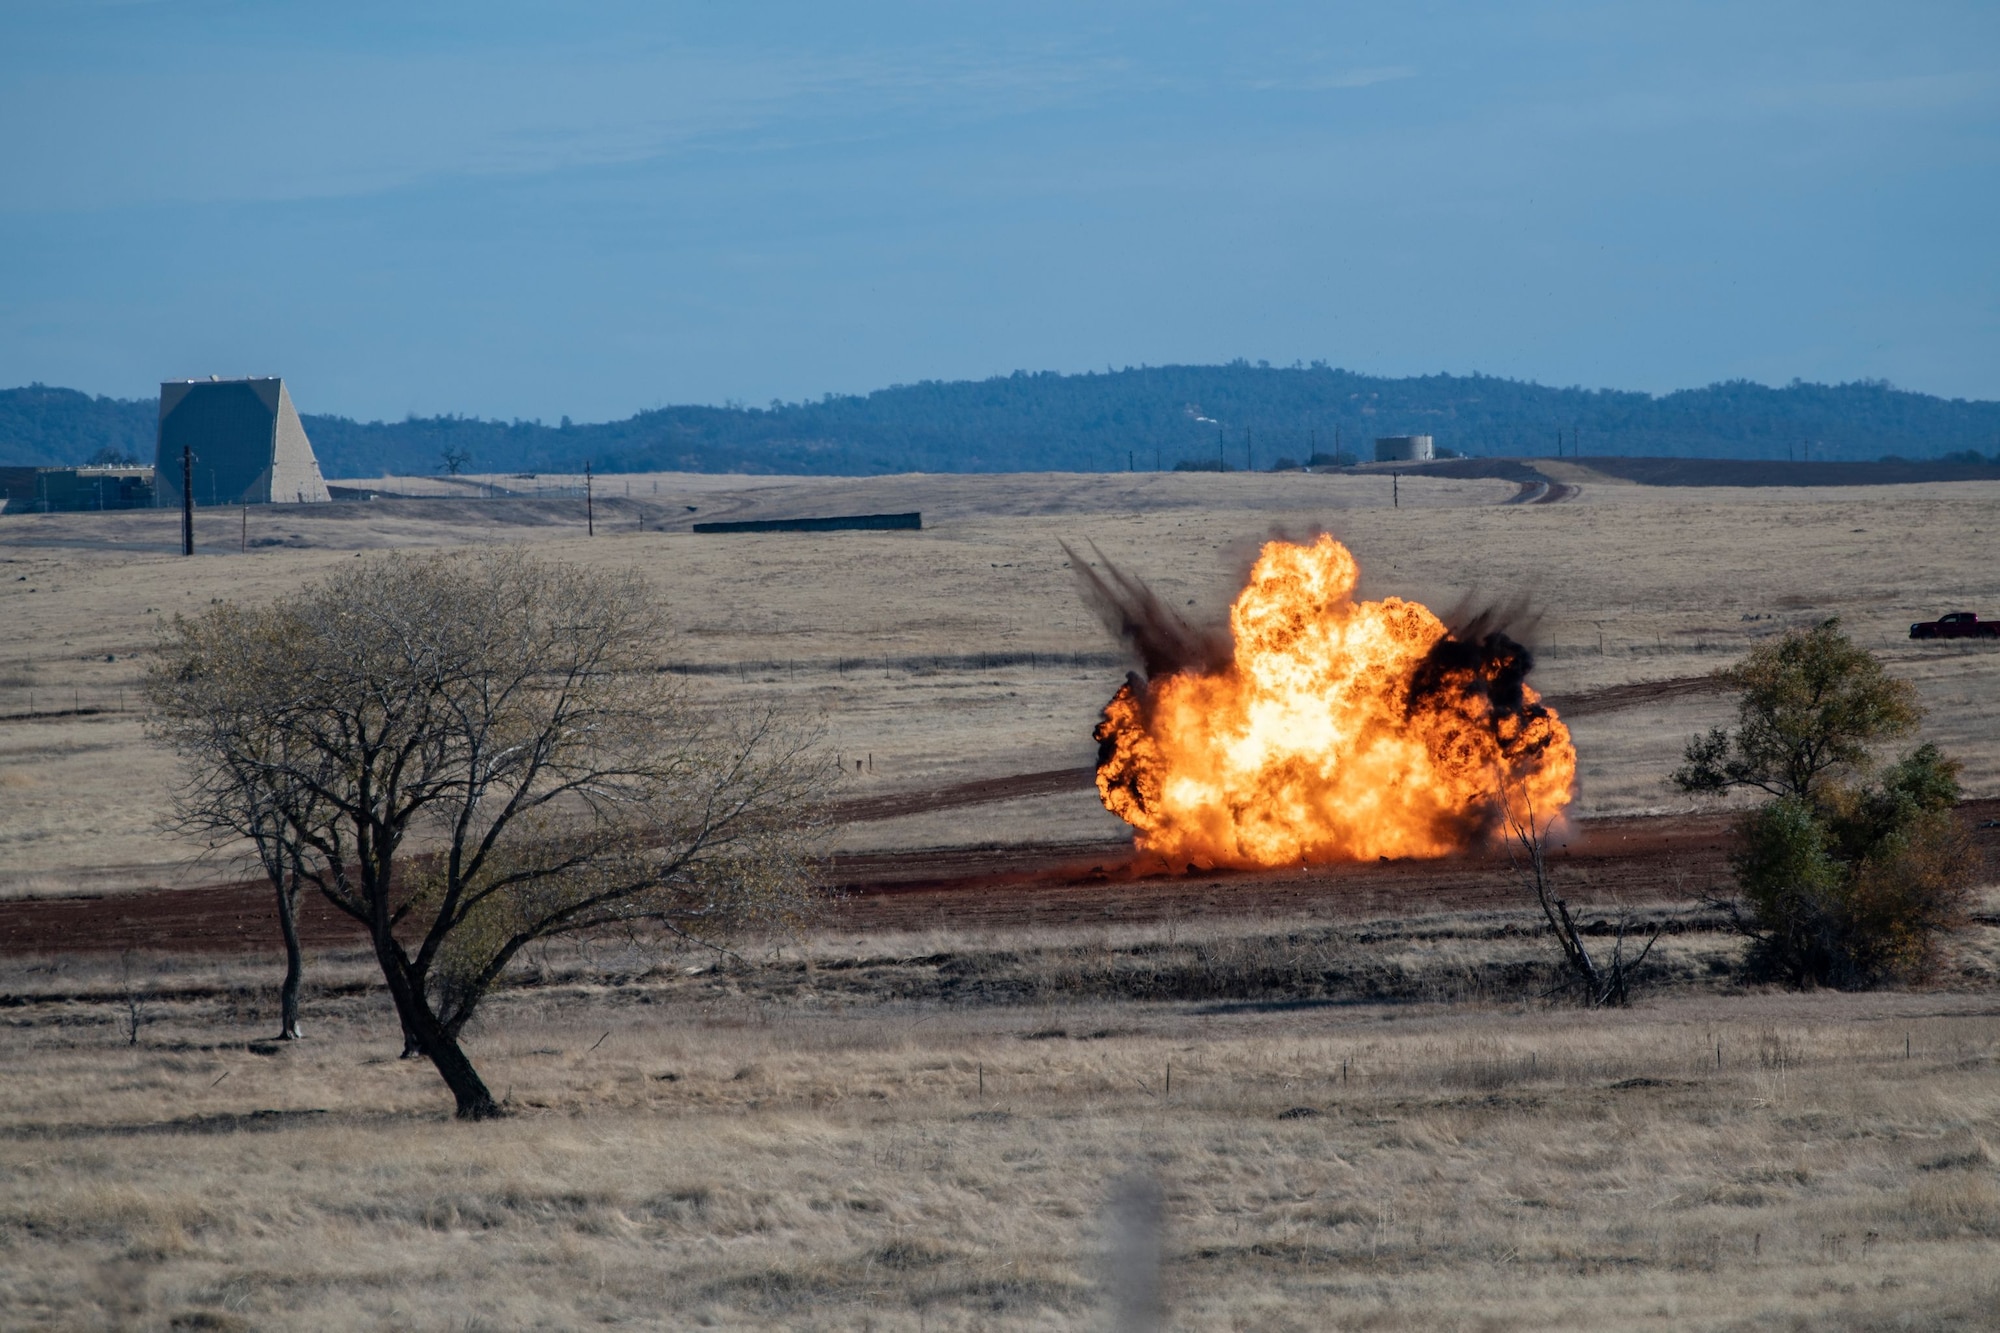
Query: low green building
{"points": [[65, 490]]}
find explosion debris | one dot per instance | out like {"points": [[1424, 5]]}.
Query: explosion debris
{"points": [[1328, 729]]}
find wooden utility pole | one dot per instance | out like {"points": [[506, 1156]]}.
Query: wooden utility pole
{"points": [[187, 500], [244, 544], [1395, 490], [589, 505]]}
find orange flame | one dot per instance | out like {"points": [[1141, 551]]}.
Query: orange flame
{"points": [[1340, 730]]}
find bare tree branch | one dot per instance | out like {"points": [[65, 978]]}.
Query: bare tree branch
{"points": [[471, 753]]}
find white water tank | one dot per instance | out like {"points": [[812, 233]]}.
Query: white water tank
{"points": [[1404, 449]]}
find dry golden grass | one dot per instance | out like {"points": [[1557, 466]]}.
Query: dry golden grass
{"points": [[774, 1148], [807, 1143], [1635, 582]]}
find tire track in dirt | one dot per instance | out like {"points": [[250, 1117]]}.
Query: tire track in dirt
{"points": [[1611, 698], [985, 791]]}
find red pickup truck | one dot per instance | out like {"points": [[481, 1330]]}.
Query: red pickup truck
{"points": [[1957, 625]]}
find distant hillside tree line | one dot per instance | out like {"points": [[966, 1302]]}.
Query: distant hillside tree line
{"points": [[1240, 415]]}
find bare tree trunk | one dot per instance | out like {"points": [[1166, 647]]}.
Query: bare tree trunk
{"points": [[288, 995], [423, 1031], [467, 1088], [1598, 984]]}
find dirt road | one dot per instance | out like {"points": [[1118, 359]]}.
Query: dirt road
{"points": [[1599, 862], [1640, 860]]}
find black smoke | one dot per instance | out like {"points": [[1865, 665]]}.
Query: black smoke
{"points": [[1480, 654], [1480, 657], [1162, 639]]}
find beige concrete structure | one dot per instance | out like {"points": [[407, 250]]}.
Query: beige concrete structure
{"points": [[249, 445]]}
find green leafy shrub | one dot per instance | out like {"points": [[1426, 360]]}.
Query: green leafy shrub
{"points": [[1847, 879]]}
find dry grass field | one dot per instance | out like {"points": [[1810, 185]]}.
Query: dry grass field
{"points": [[888, 634], [1359, 1121], [822, 1141]]}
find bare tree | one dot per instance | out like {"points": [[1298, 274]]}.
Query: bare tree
{"points": [[475, 752], [238, 785], [1599, 982], [135, 1012]]}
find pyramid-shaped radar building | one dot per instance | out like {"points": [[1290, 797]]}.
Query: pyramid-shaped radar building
{"points": [[248, 444]]}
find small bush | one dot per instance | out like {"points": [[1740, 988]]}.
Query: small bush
{"points": [[1846, 881], [1822, 914]]}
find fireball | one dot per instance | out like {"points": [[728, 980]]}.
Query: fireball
{"points": [[1338, 730]]}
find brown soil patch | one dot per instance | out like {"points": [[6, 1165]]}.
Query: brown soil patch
{"points": [[1046, 884], [1630, 860], [1599, 862]]}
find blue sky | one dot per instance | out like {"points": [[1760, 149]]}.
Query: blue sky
{"points": [[587, 209]]}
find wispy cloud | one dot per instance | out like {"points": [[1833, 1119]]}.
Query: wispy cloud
{"points": [[1333, 80], [337, 125]]}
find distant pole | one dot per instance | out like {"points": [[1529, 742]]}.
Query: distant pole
{"points": [[187, 500], [244, 545], [1131, 460], [1395, 490], [1221, 464], [1249, 459], [589, 505]]}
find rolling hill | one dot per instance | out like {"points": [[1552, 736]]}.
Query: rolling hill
{"points": [[1144, 417]]}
